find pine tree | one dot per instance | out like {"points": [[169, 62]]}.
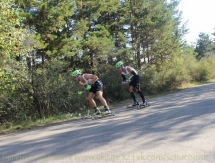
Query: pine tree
{"points": [[12, 51], [90, 26], [48, 23], [204, 44], [12, 37], [153, 30]]}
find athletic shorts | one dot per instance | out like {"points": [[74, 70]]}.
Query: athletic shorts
{"points": [[135, 81], [97, 86]]}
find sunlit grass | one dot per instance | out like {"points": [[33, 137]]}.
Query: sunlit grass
{"points": [[22, 125]]}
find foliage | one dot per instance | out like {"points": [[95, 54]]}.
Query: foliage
{"points": [[171, 75], [113, 89], [55, 92], [13, 74], [203, 71], [204, 44], [11, 45], [42, 41]]}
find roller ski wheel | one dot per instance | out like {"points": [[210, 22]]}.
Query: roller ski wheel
{"points": [[103, 114], [86, 117], [133, 106], [144, 106]]}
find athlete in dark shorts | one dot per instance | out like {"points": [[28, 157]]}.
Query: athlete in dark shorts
{"points": [[95, 87], [134, 81]]}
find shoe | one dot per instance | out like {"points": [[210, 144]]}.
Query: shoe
{"points": [[135, 103], [97, 111], [107, 111], [144, 104]]}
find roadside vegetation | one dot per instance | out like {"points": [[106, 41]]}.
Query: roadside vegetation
{"points": [[40, 44]]}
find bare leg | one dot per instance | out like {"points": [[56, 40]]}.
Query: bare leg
{"points": [[101, 98], [130, 89], [91, 100]]}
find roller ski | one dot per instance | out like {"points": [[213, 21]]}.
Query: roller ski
{"points": [[138, 106], [134, 105], [144, 105], [99, 114]]}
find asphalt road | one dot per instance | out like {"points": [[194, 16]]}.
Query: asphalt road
{"points": [[176, 128]]}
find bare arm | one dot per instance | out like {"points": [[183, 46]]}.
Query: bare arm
{"points": [[132, 70], [92, 77], [82, 87]]}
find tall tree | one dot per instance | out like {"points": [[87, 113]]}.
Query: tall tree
{"points": [[90, 26], [169, 34], [12, 50], [48, 23], [12, 37], [203, 45], [213, 34], [153, 29]]}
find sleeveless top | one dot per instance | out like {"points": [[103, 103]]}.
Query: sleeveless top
{"points": [[126, 71], [87, 81]]}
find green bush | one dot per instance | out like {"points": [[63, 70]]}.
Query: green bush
{"points": [[203, 70], [113, 88], [51, 91], [170, 75]]}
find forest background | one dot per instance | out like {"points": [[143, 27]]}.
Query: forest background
{"points": [[41, 42]]}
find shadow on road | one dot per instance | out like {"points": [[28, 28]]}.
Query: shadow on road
{"points": [[186, 114]]}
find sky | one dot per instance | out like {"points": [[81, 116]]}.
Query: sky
{"points": [[200, 15]]}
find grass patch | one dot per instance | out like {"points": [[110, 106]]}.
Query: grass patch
{"points": [[9, 127]]}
